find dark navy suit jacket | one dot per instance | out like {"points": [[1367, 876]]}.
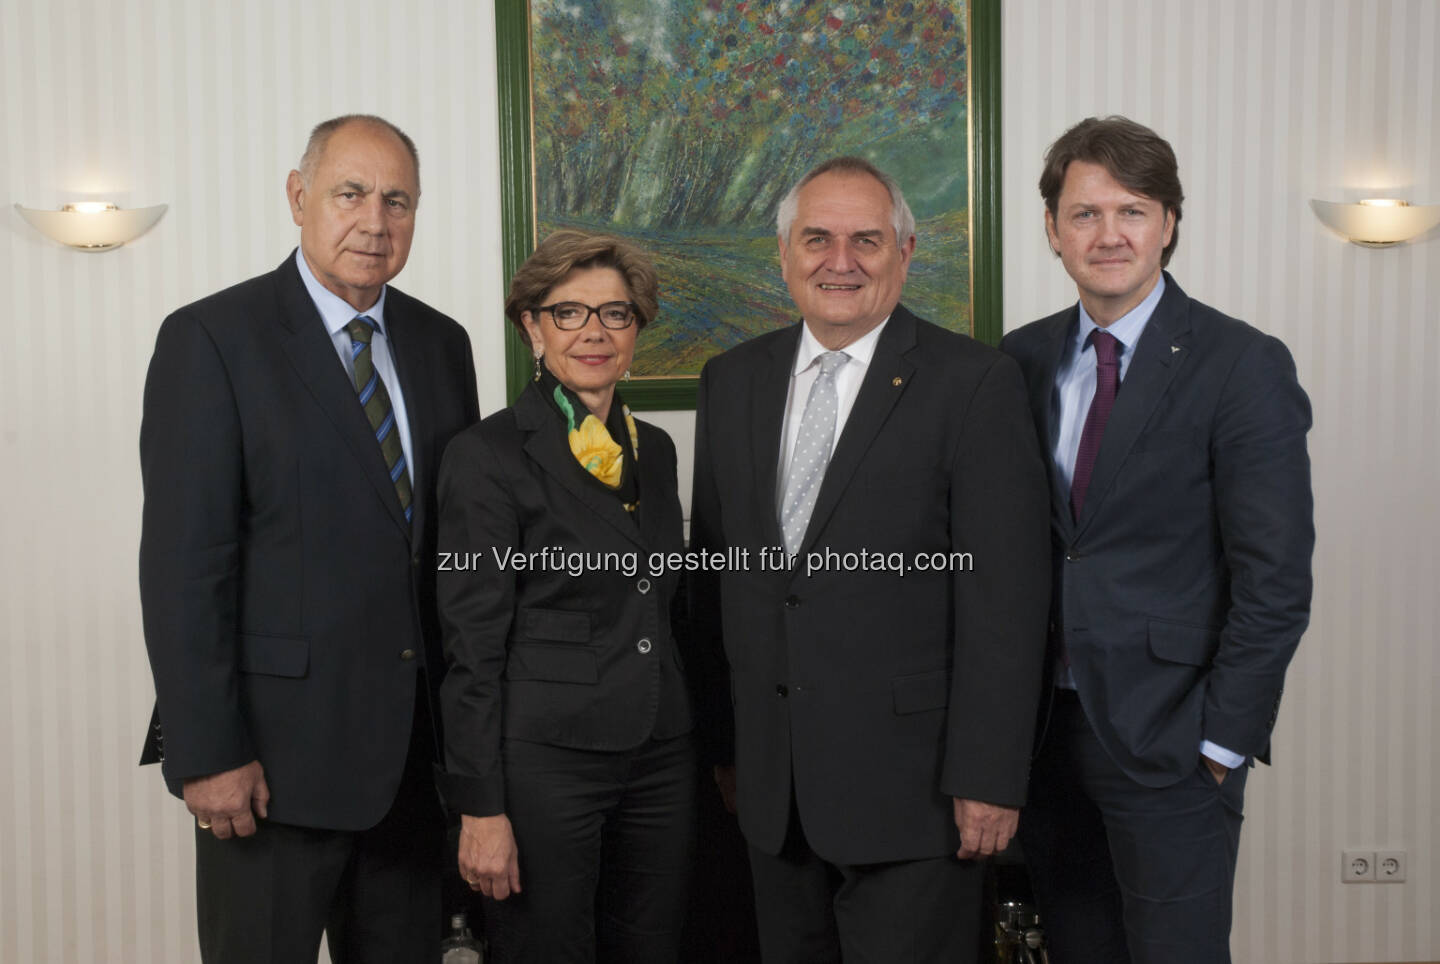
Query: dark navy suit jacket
{"points": [[288, 606], [1184, 587]]}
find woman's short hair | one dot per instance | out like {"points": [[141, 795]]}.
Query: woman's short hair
{"points": [[569, 250]]}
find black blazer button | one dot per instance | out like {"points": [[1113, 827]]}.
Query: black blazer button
{"points": [[792, 602], [643, 585], [643, 646], [782, 690], [407, 654], [1072, 554]]}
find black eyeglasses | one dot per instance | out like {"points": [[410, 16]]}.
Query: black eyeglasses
{"points": [[572, 315]]}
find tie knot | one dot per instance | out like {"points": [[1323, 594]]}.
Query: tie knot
{"points": [[1107, 347], [832, 360], [360, 328]]}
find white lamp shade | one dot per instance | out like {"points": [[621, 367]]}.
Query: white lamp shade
{"points": [[1377, 225], [93, 230]]}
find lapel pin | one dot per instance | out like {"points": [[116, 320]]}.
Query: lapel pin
{"points": [[1174, 349], [898, 381]]}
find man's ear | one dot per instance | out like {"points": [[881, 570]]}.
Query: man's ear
{"points": [[1050, 235], [295, 193]]}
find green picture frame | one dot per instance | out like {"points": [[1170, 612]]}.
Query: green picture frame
{"points": [[518, 206]]}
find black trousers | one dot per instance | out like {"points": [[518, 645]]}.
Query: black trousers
{"points": [[605, 841], [811, 911], [375, 893], [1123, 873]]}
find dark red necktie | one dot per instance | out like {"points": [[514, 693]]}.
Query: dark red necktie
{"points": [[1107, 384]]}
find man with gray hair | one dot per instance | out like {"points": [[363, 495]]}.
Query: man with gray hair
{"points": [[292, 433], [872, 674]]}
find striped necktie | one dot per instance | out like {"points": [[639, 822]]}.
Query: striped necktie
{"points": [[376, 401]]}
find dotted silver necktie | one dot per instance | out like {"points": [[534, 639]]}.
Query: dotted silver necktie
{"points": [[812, 451]]}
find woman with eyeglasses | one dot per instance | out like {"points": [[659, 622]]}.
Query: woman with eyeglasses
{"points": [[566, 716]]}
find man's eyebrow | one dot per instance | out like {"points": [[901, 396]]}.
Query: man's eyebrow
{"points": [[355, 186], [396, 192], [815, 232]]}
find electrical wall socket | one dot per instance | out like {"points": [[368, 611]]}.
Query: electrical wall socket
{"points": [[1357, 866], [1390, 866]]}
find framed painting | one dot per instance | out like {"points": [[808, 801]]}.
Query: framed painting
{"points": [[680, 124]]}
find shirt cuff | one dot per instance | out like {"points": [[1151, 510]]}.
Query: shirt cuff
{"points": [[1222, 756]]}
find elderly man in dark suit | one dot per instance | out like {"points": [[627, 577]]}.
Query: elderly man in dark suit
{"points": [[882, 649], [292, 434], [1182, 534]]}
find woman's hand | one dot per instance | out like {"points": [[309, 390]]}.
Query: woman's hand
{"points": [[489, 861]]}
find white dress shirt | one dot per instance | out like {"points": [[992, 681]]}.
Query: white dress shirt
{"points": [[802, 377], [336, 312]]}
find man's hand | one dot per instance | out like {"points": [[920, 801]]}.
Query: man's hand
{"points": [[725, 780], [985, 828], [228, 802], [489, 860], [1217, 770]]}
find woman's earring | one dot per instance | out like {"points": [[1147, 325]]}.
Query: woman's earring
{"points": [[626, 376], [537, 364]]}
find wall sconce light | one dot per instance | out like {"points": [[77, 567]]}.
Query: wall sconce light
{"points": [[93, 225], [1377, 222]]}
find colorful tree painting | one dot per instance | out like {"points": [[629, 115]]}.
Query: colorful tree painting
{"points": [[681, 123]]}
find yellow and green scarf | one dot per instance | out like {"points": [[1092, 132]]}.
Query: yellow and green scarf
{"points": [[593, 442]]}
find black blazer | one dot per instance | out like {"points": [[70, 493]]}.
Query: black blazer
{"points": [[879, 694], [575, 649], [1183, 589], [288, 606]]}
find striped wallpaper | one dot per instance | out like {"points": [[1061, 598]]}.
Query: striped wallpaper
{"points": [[205, 106], [1269, 104]]}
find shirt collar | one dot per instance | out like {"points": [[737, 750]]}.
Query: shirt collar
{"points": [[334, 310], [1128, 328], [861, 350]]}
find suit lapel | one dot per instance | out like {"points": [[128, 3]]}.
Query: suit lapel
{"points": [[547, 445], [308, 346], [767, 421], [1042, 408], [884, 383], [653, 524], [417, 391], [1148, 377]]}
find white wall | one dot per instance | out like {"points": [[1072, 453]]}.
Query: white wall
{"points": [[1270, 104], [206, 106]]}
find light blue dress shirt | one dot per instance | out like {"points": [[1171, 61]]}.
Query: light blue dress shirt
{"points": [[1074, 391], [1075, 378], [336, 312]]}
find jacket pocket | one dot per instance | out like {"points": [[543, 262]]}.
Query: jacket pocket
{"points": [[554, 664], [274, 655], [923, 691], [554, 624], [1179, 643]]}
